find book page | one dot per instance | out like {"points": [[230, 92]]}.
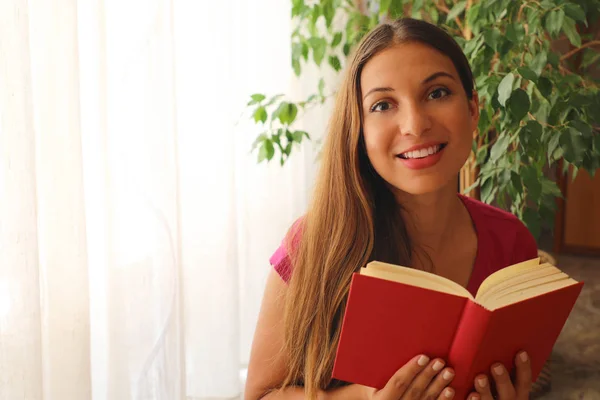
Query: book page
{"points": [[505, 273], [414, 277], [521, 295], [527, 278]]}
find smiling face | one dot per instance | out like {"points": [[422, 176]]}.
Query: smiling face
{"points": [[418, 122]]}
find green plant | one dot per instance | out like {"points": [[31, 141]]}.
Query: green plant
{"points": [[537, 106]]}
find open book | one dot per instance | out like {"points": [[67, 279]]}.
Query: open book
{"points": [[395, 313]]}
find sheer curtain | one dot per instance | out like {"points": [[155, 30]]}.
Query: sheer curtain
{"points": [[135, 227]]}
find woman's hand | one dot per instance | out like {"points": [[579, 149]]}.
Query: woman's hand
{"points": [[418, 379], [504, 387]]}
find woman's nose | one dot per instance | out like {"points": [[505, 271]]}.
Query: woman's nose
{"points": [[414, 120]]}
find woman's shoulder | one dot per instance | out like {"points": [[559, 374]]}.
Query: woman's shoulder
{"points": [[491, 214], [281, 259], [507, 231]]}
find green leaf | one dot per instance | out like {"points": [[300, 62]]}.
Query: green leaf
{"points": [[532, 220], [473, 186], [346, 49], [384, 6], [297, 7], [337, 39], [328, 13], [582, 127], [544, 85], [296, 66], [515, 32], [531, 132], [516, 181], [590, 57], [260, 114], [550, 188], [472, 14], [493, 37], [305, 50], [259, 139], [319, 46], [519, 104], [571, 31], [574, 146], [553, 59], [527, 74], [273, 99], [456, 10], [575, 11], [257, 98], [505, 88], [298, 135], [554, 22], [532, 182], [553, 144], [321, 86], [334, 61], [266, 151], [548, 4], [486, 189], [499, 148], [539, 62]]}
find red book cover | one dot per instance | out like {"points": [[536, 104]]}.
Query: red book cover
{"points": [[388, 323]]}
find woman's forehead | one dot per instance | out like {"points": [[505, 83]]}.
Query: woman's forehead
{"points": [[407, 62]]}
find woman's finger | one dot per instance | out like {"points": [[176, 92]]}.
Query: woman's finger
{"points": [[420, 384], [436, 387], [504, 386], [523, 378], [447, 394], [482, 385], [402, 379]]}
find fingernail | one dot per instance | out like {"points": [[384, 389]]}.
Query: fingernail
{"points": [[449, 393], [482, 382], [423, 360], [524, 357], [498, 370], [447, 375], [438, 365]]}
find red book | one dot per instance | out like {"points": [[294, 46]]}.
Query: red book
{"points": [[395, 313]]}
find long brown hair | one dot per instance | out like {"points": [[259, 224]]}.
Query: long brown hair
{"points": [[353, 217]]}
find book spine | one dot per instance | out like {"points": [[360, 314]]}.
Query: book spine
{"points": [[465, 346]]}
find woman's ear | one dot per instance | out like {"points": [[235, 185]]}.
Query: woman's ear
{"points": [[474, 110]]}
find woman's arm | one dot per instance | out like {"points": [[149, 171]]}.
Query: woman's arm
{"points": [[267, 366]]}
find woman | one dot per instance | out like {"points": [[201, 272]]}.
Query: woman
{"points": [[401, 130]]}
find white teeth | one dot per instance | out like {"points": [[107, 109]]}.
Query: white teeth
{"points": [[422, 152]]}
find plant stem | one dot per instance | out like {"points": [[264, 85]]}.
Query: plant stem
{"points": [[574, 51]]}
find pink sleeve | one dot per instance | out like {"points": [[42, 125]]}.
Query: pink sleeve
{"points": [[526, 246], [280, 260]]}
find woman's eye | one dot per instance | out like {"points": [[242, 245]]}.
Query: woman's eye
{"points": [[439, 93], [381, 106]]}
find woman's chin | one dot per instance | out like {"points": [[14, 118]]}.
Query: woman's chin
{"points": [[424, 185]]}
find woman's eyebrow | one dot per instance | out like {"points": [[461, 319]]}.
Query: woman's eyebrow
{"points": [[426, 80], [437, 75], [378, 89]]}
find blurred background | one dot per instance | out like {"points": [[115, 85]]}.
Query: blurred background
{"points": [[136, 222]]}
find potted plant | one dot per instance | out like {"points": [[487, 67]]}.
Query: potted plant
{"points": [[539, 106]]}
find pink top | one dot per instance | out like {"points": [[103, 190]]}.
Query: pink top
{"points": [[502, 240]]}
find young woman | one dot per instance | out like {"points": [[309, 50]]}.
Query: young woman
{"points": [[401, 130]]}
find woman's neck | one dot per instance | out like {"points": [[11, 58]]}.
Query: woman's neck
{"points": [[432, 219]]}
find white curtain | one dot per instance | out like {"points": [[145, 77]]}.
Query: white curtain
{"points": [[135, 227]]}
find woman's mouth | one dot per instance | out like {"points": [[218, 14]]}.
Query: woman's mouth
{"points": [[422, 158], [422, 153]]}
